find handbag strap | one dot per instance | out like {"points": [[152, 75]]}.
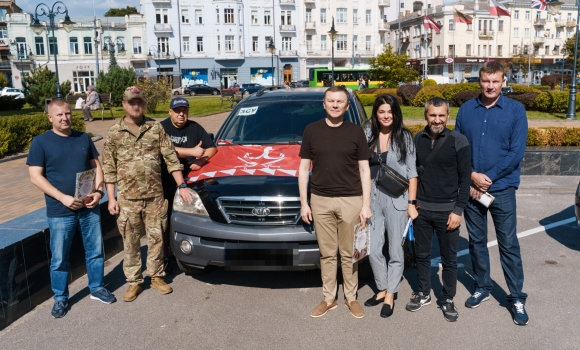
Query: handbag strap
{"points": [[433, 152]]}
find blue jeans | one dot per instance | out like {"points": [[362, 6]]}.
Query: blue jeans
{"points": [[503, 214], [62, 230]]}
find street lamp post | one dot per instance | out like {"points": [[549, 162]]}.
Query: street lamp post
{"points": [[111, 48], [44, 10], [272, 49], [333, 35], [563, 59], [20, 54]]}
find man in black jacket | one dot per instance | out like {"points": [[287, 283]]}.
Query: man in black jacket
{"points": [[443, 192]]}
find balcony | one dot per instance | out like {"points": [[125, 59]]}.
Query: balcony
{"points": [[161, 1], [383, 26], [560, 23], [161, 55], [309, 1], [288, 53], [383, 3], [540, 22], [539, 40], [162, 28], [366, 53], [319, 53], [287, 28], [486, 34], [310, 25], [288, 2], [571, 23]]}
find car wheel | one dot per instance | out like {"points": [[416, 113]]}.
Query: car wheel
{"points": [[214, 92], [176, 93], [192, 93], [189, 270]]}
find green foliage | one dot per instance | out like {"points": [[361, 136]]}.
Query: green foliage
{"points": [[569, 47], [555, 80], [367, 99], [17, 132], [155, 92], [377, 91], [391, 68], [9, 103], [408, 92], [527, 99], [523, 88], [3, 81], [555, 101], [425, 94], [450, 90], [461, 97], [112, 59], [41, 84], [115, 81], [120, 12], [428, 82]]}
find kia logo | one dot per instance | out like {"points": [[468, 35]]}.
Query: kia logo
{"points": [[261, 211]]}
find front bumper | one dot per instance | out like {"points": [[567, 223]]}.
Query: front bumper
{"points": [[240, 247]]}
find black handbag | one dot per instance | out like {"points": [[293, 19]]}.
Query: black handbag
{"points": [[389, 179]]}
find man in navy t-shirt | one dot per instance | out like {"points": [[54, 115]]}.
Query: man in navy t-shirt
{"points": [[54, 160]]}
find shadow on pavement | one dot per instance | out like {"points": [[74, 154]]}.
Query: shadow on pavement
{"points": [[567, 235]]}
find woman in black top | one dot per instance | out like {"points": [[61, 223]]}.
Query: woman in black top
{"points": [[393, 144]]}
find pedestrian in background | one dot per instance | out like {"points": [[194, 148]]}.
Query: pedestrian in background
{"points": [[391, 144], [496, 127], [54, 159], [92, 103], [132, 160]]}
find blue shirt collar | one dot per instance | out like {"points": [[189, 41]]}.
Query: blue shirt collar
{"points": [[500, 102]]}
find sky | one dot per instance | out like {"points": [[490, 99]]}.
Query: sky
{"points": [[80, 7]]}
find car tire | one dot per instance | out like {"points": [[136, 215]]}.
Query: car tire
{"points": [[214, 93], [176, 93], [192, 93], [189, 270]]}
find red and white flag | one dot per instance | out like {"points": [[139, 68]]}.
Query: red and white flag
{"points": [[497, 9], [429, 23]]}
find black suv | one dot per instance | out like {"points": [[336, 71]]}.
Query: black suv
{"points": [[248, 89], [253, 221]]}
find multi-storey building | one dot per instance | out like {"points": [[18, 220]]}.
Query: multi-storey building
{"points": [[7, 7]]}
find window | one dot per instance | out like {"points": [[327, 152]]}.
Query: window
{"points": [[267, 17], [470, 27], [120, 43], [517, 14], [526, 49], [499, 50], [478, 50], [3, 32], [515, 50], [88, 45], [355, 16], [322, 15], [308, 15], [229, 17], [547, 50], [106, 42], [538, 14], [185, 15], [568, 33], [74, 46], [254, 17], [341, 44], [198, 16], [368, 17], [163, 45], [185, 42], [161, 16], [516, 32], [82, 79], [255, 44], [323, 42], [240, 16], [199, 43], [451, 51], [438, 50], [451, 24], [527, 16], [500, 25], [39, 43], [219, 44], [548, 17], [537, 33], [340, 15], [286, 17], [52, 45], [368, 43], [355, 42], [558, 33], [526, 32], [217, 16], [268, 42], [308, 43], [484, 50], [136, 45], [229, 43], [286, 43], [3, 15], [536, 50], [468, 50]]}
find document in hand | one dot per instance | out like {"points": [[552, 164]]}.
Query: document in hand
{"points": [[85, 184], [486, 199], [362, 242]]}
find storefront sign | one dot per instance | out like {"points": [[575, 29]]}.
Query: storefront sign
{"points": [[261, 76], [193, 76]]}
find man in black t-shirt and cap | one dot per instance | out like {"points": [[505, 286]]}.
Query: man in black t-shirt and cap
{"points": [[193, 146]]}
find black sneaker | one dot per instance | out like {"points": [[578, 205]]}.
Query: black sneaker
{"points": [[449, 310], [59, 309], [519, 312], [418, 301], [476, 299]]}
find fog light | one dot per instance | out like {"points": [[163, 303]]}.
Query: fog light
{"points": [[185, 246]]}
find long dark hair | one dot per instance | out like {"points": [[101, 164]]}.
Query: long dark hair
{"points": [[399, 135]]}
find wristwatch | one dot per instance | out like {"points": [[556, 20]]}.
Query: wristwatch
{"points": [[99, 192], [183, 185], [414, 202]]}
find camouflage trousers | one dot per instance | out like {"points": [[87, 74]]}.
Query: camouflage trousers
{"points": [[140, 217]]}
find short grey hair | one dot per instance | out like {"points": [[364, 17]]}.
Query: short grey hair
{"points": [[437, 102]]}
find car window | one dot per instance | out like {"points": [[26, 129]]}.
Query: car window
{"points": [[273, 122]]}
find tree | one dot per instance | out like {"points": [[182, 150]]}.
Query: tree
{"points": [[41, 84], [569, 47], [3, 80], [154, 92], [391, 68], [115, 81], [121, 12], [112, 59]]}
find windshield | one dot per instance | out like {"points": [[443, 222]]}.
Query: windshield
{"points": [[273, 121]]}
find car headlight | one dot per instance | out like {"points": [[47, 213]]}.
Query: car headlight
{"points": [[196, 206]]}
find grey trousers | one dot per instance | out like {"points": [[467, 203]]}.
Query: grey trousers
{"points": [[385, 215]]}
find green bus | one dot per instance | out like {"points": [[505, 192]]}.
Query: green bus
{"points": [[321, 77]]}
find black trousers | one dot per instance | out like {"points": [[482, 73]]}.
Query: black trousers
{"points": [[427, 224]]}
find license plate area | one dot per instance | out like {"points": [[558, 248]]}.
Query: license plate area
{"points": [[248, 255]]}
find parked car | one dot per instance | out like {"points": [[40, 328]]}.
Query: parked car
{"points": [[253, 221], [177, 91], [507, 90], [8, 91], [248, 89], [200, 89], [472, 79]]}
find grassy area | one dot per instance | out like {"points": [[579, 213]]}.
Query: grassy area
{"points": [[417, 113], [197, 106]]}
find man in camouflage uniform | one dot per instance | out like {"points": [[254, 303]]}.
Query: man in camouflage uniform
{"points": [[132, 160]]}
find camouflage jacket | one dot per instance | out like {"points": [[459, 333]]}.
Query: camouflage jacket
{"points": [[134, 161]]}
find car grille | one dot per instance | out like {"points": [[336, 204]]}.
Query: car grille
{"points": [[260, 210]]}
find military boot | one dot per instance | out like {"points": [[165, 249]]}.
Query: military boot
{"points": [[132, 293], [159, 284]]}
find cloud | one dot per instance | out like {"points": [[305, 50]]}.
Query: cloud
{"points": [[82, 7]]}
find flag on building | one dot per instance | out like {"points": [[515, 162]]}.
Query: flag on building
{"points": [[497, 9], [460, 17], [429, 23], [539, 4]]}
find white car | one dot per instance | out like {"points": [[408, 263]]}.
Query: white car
{"points": [[16, 93]]}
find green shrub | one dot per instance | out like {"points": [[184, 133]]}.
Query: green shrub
{"points": [[367, 99], [544, 101], [377, 91], [4, 142], [115, 81], [523, 88], [555, 101], [449, 90], [9, 103], [3, 80], [542, 87], [461, 97], [425, 94], [428, 82], [154, 92], [528, 99], [41, 84], [407, 93]]}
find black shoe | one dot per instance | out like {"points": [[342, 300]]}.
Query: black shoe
{"points": [[387, 310], [167, 267], [519, 312], [418, 301], [59, 309], [476, 299], [449, 310], [373, 301]]}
